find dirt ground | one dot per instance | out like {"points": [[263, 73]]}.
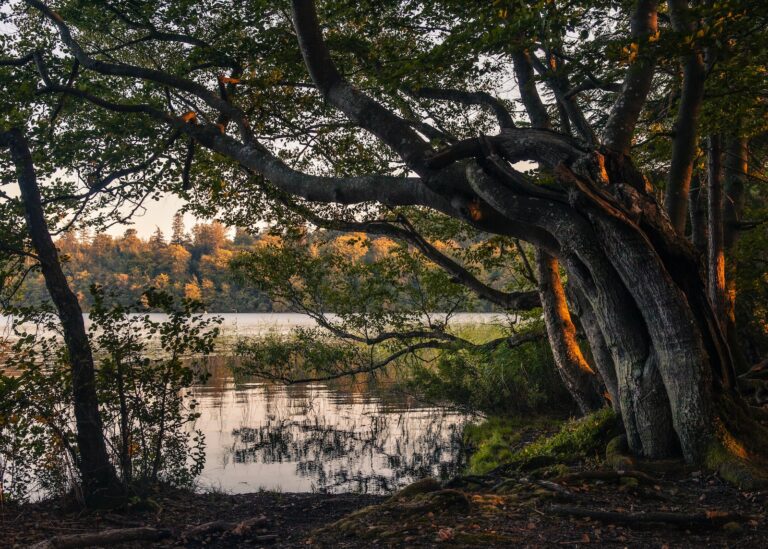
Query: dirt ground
{"points": [[554, 508]]}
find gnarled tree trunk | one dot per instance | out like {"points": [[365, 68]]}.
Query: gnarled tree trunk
{"points": [[578, 377]]}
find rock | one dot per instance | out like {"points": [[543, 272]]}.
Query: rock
{"points": [[422, 486], [617, 454]]}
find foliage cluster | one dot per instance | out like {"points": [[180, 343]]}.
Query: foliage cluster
{"points": [[144, 367], [503, 381]]}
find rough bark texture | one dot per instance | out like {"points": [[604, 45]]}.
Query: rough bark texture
{"points": [[578, 377], [600, 352], [98, 475]]}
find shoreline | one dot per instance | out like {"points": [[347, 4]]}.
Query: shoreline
{"points": [[555, 507]]}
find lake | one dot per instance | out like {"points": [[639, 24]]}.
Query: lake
{"points": [[319, 437]]}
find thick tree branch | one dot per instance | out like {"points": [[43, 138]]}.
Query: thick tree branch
{"points": [[361, 109], [389, 190], [526, 83], [637, 82], [546, 147]]}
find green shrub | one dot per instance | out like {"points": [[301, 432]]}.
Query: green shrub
{"points": [[504, 381], [143, 367]]}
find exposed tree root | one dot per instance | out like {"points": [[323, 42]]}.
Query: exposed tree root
{"points": [[616, 476], [144, 533], [706, 520], [236, 528], [107, 537]]}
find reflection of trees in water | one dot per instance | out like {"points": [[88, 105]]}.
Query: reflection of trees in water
{"points": [[350, 445]]}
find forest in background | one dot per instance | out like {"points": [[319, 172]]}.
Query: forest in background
{"points": [[193, 264]]}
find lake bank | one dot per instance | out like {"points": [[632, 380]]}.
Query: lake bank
{"points": [[574, 507]]}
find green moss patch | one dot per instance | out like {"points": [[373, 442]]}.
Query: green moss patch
{"points": [[496, 442]]}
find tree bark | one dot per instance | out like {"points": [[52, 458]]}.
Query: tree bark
{"points": [[686, 124], [578, 377], [600, 353], [698, 215], [735, 165], [98, 475], [715, 246]]}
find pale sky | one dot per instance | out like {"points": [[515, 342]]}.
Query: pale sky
{"points": [[157, 214]]}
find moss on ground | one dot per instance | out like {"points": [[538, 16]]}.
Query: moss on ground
{"points": [[495, 440]]}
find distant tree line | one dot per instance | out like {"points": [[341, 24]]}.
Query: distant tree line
{"points": [[186, 264]]}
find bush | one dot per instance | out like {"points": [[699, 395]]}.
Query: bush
{"points": [[143, 369], [503, 381]]}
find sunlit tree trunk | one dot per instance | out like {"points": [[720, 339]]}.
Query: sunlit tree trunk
{"points": [[578, 377], [715, 247]]}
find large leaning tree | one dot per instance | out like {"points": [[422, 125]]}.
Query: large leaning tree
{"points": [[583, 128]]}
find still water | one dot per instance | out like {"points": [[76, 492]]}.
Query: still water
{"points": [[318, 437], [305, 438]]}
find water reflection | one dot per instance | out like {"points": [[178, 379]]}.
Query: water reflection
{"points": [[321, 438]]}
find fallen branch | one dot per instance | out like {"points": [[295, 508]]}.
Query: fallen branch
{"points": [[122, 521], [608, 476], [710, 519], [237, 528], [107, 537]]}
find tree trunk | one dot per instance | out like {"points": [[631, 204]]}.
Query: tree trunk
{"points": [[735, 175], [578, 377], [98, 475], [698, 214], [600, 352], [715, 247]]}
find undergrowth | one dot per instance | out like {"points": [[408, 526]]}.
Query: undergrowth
{"points": [[496, 442]]}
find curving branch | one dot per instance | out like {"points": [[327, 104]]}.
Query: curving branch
{"points": [[544, 146], [478, 98], [132, 71], [512, 341], [389, 190], [511, 301], [370, 115], [637, 82]]}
